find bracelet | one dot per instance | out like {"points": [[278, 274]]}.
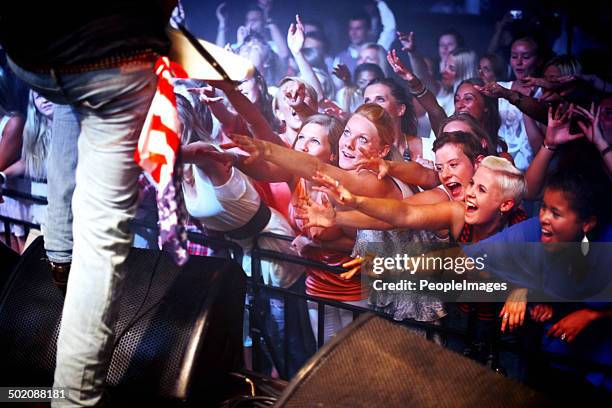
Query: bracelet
{"points": [[606, 151], [420, 94], [552, 149], [3, 177]]}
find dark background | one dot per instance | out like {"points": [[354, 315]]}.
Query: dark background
{"points": [[545, 17]]}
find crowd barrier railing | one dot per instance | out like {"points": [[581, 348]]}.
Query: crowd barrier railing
{"points": [[256, 286]]}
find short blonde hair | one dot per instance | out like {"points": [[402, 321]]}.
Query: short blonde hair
{"points": [[510, 179]]}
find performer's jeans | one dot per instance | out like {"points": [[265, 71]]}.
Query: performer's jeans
{"points": [[112, 105], [61, 169]]}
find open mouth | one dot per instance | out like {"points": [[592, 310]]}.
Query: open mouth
{"points": [[348, 156], [454, 188], [546, 235], [470, 207]]}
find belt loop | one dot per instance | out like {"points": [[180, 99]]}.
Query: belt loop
{"points": [[58, 83]]}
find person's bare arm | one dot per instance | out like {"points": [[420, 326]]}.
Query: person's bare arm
{"points": [[408, 172], [303, 165], [10, 145], [16, 169], [557, 133], [399, 213], [526, 104], [426, 98], [295, 40], [417, 61], [221, 27], [259, 126]]}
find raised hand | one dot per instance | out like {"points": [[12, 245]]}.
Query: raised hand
{"points": [[541, 312], [295, 35], [407, 41], [373, 163], [333, 189], [342, 72], [313, 214], [256, 149], [221, 14], [541, 82], [206, 95], [513, 312], [330, 108], [398, 66], [295, 94], [494, 90], [591, 129], [558, 129], [241, 34]]}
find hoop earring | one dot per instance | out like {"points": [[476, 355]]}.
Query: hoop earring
{"points": [[584, 245]]}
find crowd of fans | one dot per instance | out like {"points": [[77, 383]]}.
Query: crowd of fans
{"points": [[384, 144]]}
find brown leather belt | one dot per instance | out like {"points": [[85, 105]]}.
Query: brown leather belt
{"points": [[119, 60]]}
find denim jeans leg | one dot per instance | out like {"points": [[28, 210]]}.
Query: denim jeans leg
{"points": [[112, 105], [61, 178]]}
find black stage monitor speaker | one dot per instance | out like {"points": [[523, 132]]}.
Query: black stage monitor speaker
{"points": [[8, 260], [375, 363], [179, 329]]}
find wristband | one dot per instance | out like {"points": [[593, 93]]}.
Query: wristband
{"points": [[552, 149], [606, 151], [3, 177], [421, 94]]}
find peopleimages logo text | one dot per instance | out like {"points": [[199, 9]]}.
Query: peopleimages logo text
{"points": [[412, 264]]}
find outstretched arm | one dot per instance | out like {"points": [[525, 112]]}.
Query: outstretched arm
{"points": [[259, 126], [303, 165], [526, 104], [399, 213], [408, 172]]}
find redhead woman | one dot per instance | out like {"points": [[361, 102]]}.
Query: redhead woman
{"points": [[367, 133]]}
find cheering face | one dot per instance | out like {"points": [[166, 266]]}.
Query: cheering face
{"points": [[313, 140], [357, 32], [43, 105], [560, 223], [250, 90], [446, 44], [483, 198], [449, 73], [454, 168], [364, 78], [605, 118], [368, 55], [358, 134], [469, 100], [485, 69], [523, 59], [381, 95]]}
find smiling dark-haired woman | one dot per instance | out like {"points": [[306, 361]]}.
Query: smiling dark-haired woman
{"points": [[573, 266]]}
